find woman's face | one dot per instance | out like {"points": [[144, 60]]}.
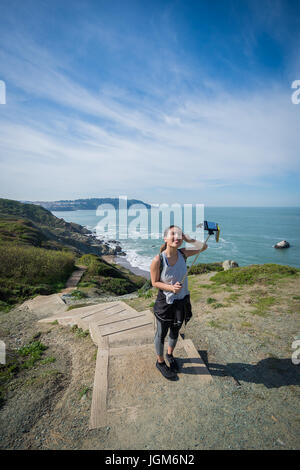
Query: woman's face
{"points": [[174, 237]]}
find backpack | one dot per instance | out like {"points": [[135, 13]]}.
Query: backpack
{"points": [[161, 260]]}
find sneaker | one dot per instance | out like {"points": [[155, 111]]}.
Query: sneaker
{"points": [[165, 370], [174, 367]]}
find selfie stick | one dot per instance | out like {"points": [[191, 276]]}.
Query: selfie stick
{"points": [[211, 227], [186, 274]]}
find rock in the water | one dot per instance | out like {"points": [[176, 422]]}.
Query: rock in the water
{"points": [[228, 264], [282, 244]]}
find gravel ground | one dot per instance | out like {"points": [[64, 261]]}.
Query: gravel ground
{"points": [[251, 403]]}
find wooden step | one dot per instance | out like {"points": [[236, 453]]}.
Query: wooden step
{"points": [[98, 417], [197, 366], [137, 336], [125, 325], [84, 321], [83, 312]]}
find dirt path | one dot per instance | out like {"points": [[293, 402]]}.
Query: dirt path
{"points": [[252, 402], [75, 277]]}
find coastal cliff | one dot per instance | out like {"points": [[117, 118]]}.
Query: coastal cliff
{"points": [[38, 252], [30, 224]]}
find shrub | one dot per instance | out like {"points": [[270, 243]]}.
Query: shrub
{"points": [[27, 271], [34, 265], [146, 290], [117, 286], [79, 332], [205, 268], [78, 294], [107, 271], [86, 260], [33, 352]]}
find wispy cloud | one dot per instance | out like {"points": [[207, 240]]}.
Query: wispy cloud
{"points": [[87, 140]]}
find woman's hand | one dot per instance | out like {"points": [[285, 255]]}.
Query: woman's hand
{"points": [[187, 239], [197, 244], [177, 287]]}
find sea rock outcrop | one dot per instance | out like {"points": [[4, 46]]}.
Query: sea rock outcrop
{"points": [[282, 244], [228, 264]]}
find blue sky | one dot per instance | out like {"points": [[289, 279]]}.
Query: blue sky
{"points": [[163, 101]]}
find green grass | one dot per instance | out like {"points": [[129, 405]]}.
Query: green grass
{"points": [[210, 300], [262, 274], [246, 324], [261, 306], [71, 307], [22, 231], [39, 380], [146, 294], [89, 284], [79, 332], [84, 391], [147, 291], [117, 286], [78, 294], [206, 286], [34, 212], [87, 260], [202, 268], [98, 267], [32, 352], [34, 265], [24, 358], [233, 297], [48, 360], [26, 271], [214, 324], [108, 278]]}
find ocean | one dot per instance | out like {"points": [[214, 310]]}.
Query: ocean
{"points": [[247, 236]]}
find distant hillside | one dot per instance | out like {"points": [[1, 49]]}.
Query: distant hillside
{"points": [[83, 204], [31, 224]]}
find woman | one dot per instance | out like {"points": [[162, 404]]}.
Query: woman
{"points": [[172, 306]]}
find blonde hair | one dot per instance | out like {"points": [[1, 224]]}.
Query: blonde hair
{"points": [[164, 245]]}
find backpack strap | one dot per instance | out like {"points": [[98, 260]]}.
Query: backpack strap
{"points": [[180, 249], [161, 263]]}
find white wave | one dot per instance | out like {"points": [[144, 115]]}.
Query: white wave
{"points": [[138, 261]]}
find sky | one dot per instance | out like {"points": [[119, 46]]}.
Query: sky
{"points": [[166, 101]]}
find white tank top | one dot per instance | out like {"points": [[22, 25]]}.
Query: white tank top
{"points": [[173, 274]]}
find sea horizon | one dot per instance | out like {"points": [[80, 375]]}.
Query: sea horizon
{"points": [[246, 237]]}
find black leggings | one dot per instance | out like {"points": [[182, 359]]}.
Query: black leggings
{"points": [[161, 333]]}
